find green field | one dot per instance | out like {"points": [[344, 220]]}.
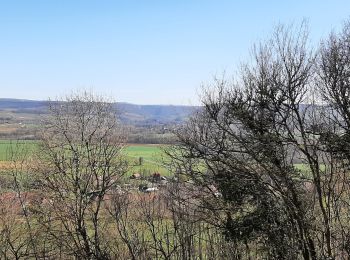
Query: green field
{"points": [[152, 156], [6, 146], [148, 152]]}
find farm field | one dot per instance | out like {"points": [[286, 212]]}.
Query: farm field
{"points": [[151, 155], [6, 145]]}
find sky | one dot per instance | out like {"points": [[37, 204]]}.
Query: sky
{"points": [[142, 52]]}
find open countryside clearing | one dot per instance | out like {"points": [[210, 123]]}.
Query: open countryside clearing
{"points": [[151, 154]]}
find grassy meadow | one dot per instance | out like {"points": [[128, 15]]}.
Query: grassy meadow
{"points": [[7, 145], [151, 155]]}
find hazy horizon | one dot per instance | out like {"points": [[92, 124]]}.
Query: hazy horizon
{"points": [[136, 52], [115, 101]]}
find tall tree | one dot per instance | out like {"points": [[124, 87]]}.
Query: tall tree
{"points": [[274, 145], [80, 160]]}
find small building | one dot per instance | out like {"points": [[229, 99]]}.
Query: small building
{"points": [[135, 176]]}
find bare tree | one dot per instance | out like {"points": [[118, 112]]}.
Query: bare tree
{"points": [[260, 172], [81, 163], [21, 236], [272, 148], [245, 144], [333, 83]]}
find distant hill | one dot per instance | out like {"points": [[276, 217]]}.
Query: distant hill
{"points": [[22, 105], [128, 113], [153, 114]]}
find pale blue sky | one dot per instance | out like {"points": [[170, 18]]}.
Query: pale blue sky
{"points": [[146, 52]]}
